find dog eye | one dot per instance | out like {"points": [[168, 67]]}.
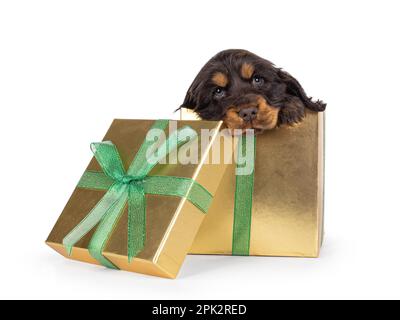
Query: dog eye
{"points": [[258, 81], [219, 92]]}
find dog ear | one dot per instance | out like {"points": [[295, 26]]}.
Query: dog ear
{"points": [[190, 100], [291, 112], [295, 89]]}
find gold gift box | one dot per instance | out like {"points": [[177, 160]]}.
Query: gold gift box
{"points": [[172, 222], [287, 217]]}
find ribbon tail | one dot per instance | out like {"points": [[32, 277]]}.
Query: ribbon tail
{"points": [[136, 221], [105, 229], [68, 248], [106, 204]]}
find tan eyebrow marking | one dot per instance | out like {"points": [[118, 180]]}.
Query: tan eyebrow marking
{"points": [[247, 70], [220, 79]]}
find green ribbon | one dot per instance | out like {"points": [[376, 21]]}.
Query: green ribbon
{"points": [[243, 199], [130, 187]]}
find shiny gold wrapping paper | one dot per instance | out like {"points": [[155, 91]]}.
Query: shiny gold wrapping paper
{"points": [[287, 218], [172, 222]]}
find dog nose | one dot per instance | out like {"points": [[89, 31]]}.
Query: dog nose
{"points": [[248, 114]]}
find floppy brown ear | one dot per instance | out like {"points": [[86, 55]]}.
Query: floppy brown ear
{"points": [[294, 88]]}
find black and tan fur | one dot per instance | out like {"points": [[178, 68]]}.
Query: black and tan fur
{"points": [[247, 91]]}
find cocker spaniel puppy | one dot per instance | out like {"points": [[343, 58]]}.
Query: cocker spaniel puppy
{"points": [[247, 92]]}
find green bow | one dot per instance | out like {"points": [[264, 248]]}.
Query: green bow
{"points": [[130, 187]]}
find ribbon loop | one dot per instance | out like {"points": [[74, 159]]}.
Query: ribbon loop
{"points": [[108, 157], [146, 159]]}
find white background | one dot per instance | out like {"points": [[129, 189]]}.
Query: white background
{"points": [[67, 68]]}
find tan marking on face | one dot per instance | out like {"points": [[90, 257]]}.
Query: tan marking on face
{"points": [[267, 116], [220, 79], [247, 70], [232, 119]]}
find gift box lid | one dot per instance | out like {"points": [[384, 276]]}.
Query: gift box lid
{"points": [[171, 220]]}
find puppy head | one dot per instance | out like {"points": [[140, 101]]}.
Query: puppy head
{"points": [[247, 92]]}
